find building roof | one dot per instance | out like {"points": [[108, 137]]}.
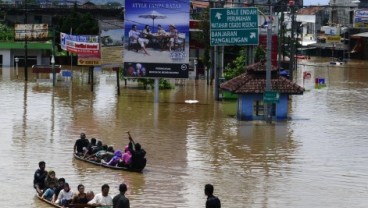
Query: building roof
{"points": [[363, 35], [309, 10], [200, 4], [254, 81], [20, 45]]}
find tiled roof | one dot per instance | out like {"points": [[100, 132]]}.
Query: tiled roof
{"points": [[309, 10], [254, 82], [259, 66], [200, 4]]}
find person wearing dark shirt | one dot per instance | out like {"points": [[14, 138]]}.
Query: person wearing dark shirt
{"points": [[120, 201], [59, 187], [39, 178], [212, 201], [138, 155], [81, 144], [80, 197]]}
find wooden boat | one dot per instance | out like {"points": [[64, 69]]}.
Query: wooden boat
{"points": [[109, 166], [47, 201], [58, 206]]}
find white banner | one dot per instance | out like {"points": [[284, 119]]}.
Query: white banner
{"points": [[80, 44]]}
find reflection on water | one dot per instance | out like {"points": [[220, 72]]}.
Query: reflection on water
{"points": [[316, 159]]}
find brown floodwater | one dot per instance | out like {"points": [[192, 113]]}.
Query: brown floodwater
{"points": [[318, 158]]}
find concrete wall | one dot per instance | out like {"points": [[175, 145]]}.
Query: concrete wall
{"points": [[6, 57]]}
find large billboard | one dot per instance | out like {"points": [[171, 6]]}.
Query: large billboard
{"points": [[35, 32], [156, 38]]}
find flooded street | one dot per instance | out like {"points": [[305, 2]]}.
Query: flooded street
{"points": [[318, 158]]}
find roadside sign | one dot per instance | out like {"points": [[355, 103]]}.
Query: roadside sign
{"points": [[234, 26], [271, 97], [333, 39]]}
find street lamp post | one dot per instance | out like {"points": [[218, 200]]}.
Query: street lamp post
{"points": [[16, 59], [53, 70]]}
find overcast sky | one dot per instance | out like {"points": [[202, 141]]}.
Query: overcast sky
{"points": [[315, 2]]}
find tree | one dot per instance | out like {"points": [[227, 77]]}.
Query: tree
{"points": [[236, 67], [80, 24], [6, 33]]}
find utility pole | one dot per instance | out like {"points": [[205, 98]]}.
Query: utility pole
{"points": [[292, 40], [53, 57], [269, 65], [25, 43]]}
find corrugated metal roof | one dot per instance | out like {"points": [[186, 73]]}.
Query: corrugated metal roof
{"points": [[20, 45]]}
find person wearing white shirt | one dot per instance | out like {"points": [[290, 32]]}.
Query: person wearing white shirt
{"points": [[135, 35], [65, 196], [103, 198]]}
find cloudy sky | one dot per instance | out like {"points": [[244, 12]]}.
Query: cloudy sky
{"points": [[316, 2]]}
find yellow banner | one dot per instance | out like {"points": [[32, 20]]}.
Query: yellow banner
{"points": [[89, 61], [333, 39]]}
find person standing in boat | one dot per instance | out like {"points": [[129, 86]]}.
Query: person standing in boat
{"points": [[81, 144], [103, 198], [39, 178], [212, 201], [120, 200]]}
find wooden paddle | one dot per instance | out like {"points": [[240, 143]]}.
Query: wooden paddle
{"points": [[130, 138]]}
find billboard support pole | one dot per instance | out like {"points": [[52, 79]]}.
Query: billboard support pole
{"points": [[156, 90]]}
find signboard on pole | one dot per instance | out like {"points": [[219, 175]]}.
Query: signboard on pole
{"points": [[32, 32], [361, 18], [234, 26], [271, 97]]}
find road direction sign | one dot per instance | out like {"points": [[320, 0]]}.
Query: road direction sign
{"points": [[234, 26]]}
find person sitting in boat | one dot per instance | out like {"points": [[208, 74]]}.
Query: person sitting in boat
{"points": [[49, 193], [58, 188], [97, 148], [98, 156], [80, 197], [109, 154], [81, 144], [39, 178], [91, 146], [65, 196], [126, 158], [114, 160], [103, 198], [50, 183]]}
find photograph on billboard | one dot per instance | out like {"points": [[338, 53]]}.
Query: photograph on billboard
{"points": [[156, 38]]}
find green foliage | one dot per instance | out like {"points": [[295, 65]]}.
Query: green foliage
{"points": [[163, 84], [260, 54], [236, 67], [6, 33]]}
